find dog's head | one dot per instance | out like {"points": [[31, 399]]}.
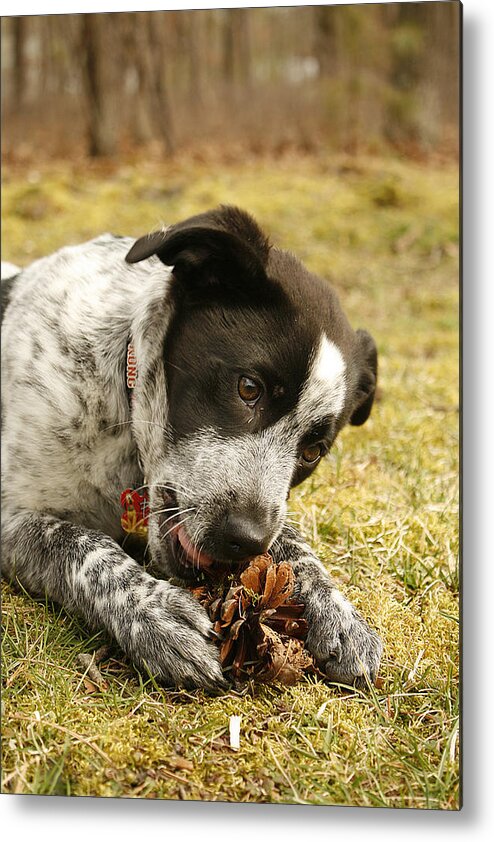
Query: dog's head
{"points": [[262, 370]]}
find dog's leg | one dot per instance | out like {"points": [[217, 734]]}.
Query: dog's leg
{"points": [[162, 628], [345, 647]]}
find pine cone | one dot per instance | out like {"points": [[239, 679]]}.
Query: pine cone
{"points": [[259, 624]]}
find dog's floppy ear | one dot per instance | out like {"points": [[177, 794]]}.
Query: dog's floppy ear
{"points": [[224, 245], [366, 385]]}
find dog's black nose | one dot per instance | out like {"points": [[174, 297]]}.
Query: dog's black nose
{"points": [[243, 537]]}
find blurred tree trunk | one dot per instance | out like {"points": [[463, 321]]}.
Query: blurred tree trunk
{"points": [[151, 53], [325, 39], [101, 131], [193, 43], [443, 31], [243, 46], [139, 120], [406, 66], [228, 46], [19, 64], [236, 47]]}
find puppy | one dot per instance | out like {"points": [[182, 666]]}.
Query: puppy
{"points": [[246, 369]]}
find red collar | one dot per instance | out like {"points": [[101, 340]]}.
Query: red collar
{"points": [[135, 516]]}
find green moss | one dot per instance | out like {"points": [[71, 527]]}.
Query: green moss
{"points": [[382, 511]]}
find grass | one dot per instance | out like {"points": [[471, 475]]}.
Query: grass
{"points": [[382, 511]]}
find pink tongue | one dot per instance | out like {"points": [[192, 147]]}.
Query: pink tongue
{"points": [[195, 556]]}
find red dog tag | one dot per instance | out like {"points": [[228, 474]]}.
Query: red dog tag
{"points": [[136, 512]]}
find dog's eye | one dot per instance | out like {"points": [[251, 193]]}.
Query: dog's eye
{"points": [[249, 390], [312, 453]]}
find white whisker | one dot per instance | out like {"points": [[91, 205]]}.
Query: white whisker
{"points": [[168, 487], [134, 421], [173, 516], [175, 526]]}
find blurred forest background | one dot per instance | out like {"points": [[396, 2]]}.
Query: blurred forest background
{"points": [[356, 78]]}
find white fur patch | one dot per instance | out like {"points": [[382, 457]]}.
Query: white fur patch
{"points": [[325, 389]]}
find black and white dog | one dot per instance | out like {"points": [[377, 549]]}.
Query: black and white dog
{"points": [[247, 369]]}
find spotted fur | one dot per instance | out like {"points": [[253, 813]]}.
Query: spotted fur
{"points": [[204, 303]]}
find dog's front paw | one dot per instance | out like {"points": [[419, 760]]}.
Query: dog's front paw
{"points": [[346, 649], [170, 637]]}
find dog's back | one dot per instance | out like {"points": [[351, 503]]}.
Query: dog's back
{"points": [[66, 321]]}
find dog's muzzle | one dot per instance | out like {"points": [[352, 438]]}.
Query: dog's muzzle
{"points": [[239, 535]]}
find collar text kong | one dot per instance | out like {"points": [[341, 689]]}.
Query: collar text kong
{"points": [[134, 519], [131, 368]]}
